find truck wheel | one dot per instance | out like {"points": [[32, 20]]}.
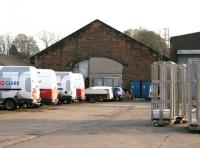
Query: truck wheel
{"points": [[10, 104], [116, 98], [69, 101], [93, 100], [62, 101]]}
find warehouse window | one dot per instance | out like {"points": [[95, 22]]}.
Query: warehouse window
{"points": [[106, 82], [97, 82]]}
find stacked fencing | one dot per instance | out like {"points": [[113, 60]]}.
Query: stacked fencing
{"points": [[168, 104], [194, 94], [182, 91]]}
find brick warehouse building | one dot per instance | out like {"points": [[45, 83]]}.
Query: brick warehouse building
{"points": [[104, 55]]}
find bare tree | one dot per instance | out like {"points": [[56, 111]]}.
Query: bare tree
{"points": [[26, 44], [48, 38], [2, 45], [5, 43]]}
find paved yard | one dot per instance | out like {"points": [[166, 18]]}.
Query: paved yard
{"points": [[85, 125]]}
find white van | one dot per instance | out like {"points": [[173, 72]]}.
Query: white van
{"points": [[80, 86], [18, 86], [99, 93], [48, 86], [66, 86]]}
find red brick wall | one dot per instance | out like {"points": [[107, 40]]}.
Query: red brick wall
{"points": [[100, 41]]}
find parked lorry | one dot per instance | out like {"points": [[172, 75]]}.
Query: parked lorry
{"points": [[99, 93], [66, 86], [48, 86], [18, 86], [80, 86]]}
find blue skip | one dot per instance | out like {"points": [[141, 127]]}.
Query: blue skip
{"points": [[140, 89]]}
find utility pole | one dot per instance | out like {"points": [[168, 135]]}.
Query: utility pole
{"points": [[166, 36], [161, 54]]}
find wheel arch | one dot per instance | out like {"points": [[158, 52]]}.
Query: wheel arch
{"points": [[8, 99]]}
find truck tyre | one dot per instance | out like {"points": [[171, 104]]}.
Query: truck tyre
{"points": [[69, 101], [61, 102], [120, 100], [10, 104], [93, 100]]}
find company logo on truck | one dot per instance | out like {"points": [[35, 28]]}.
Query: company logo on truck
{"points": [[3, 82]]}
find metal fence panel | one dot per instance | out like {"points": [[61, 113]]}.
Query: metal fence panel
{"points": [[194, 94], [168, 92]]}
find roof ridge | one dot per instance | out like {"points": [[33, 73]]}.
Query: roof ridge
{"points": [[186, 34], [82, 28]]}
